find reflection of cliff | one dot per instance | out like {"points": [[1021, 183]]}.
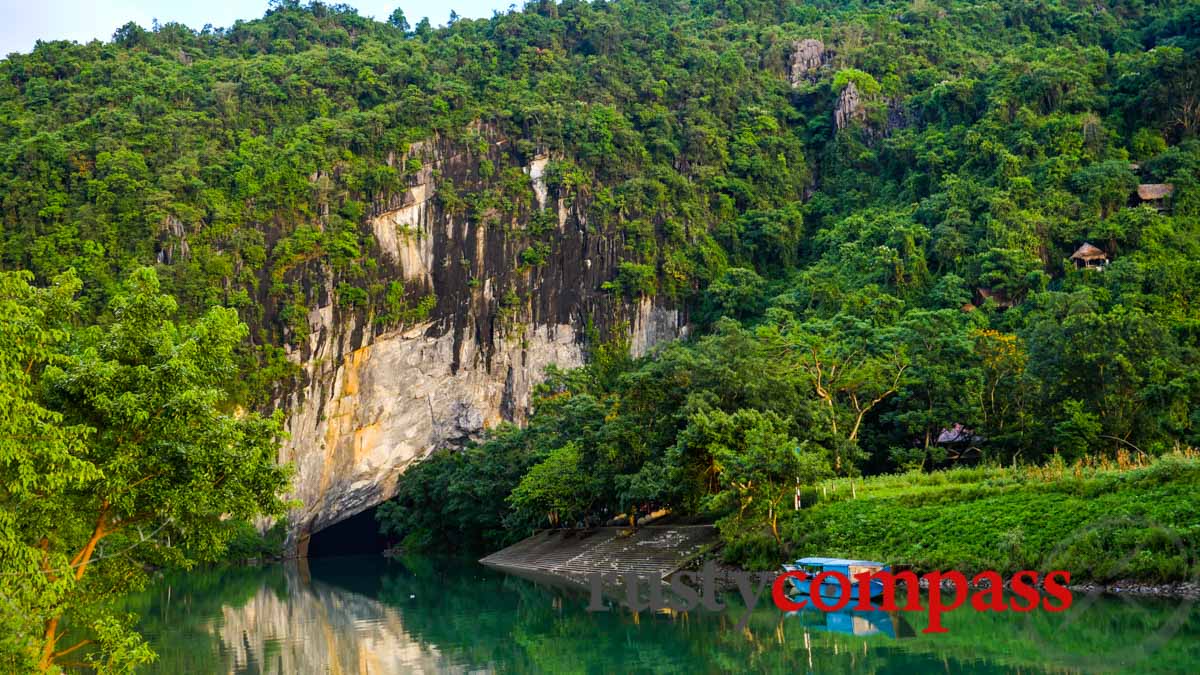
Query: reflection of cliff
{"points": [[315, 627], [370, 615]]}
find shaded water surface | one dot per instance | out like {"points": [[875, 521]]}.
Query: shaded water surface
{"points": [[371, 615]]}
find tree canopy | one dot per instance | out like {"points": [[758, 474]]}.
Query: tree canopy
{"points": [[118, 451], [862, 267]]}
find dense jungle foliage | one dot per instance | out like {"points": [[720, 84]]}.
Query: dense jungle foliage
{"points": [[873, 243], [861, 291]]}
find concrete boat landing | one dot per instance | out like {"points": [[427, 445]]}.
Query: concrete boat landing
{"points": [[653, 550]]}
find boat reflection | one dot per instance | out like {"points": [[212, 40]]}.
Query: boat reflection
{"points": [[854, 622]]}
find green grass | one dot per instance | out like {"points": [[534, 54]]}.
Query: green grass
{"points": [[1100, 523]]}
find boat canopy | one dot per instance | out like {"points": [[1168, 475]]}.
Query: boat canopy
{"points": [[839, 562]]}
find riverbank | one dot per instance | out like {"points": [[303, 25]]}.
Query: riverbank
{"points": [[1185, 590], [1124, 528], [1179, 590]]}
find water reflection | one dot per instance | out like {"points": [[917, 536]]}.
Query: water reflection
{"points": [[278, 619], [850, 622], [368, 615]]}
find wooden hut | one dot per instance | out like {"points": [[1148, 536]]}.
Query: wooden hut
{"points": [[1155, 194], [1089, 257]]}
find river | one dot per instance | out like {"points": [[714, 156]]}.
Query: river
{"points": [[372, 615]]}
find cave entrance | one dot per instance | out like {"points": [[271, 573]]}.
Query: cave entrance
{"points": [[356, 535]]}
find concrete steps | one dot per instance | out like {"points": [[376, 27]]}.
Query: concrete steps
{"points": [[654, 551]]}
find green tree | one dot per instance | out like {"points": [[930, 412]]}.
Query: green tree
{"points": [[1105, 185], [943, 385], [1117, 364], [556, 487], [758, 464], [137, 460], [398, 19], [850, 367]]}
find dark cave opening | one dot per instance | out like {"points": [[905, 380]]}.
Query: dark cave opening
{"points": [[356, 535]]}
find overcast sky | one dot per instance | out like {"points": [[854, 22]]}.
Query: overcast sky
{"points": [[24, 22]]}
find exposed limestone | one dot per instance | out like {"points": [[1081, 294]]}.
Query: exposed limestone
{"points": [[897, 115], [654, 550], [370, 414], [849, 107], [807, 58], [653, 325], [373, 400], [403, 233], [173, 243], [537, 176]]}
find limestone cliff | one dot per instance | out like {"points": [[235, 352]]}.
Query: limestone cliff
{"points": [[849, 108], [375, 398], [808, 56]]}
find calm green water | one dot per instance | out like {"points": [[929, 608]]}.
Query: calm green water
{"points": [[370, 615]]}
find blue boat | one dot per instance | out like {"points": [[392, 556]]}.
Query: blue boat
{"points": [[831, 591]]}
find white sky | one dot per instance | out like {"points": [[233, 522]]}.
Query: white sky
{"points": [[24, 22]]}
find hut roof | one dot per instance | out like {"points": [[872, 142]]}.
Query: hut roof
{"points": [[958, 434], [1088, 252], [1149, 191]]}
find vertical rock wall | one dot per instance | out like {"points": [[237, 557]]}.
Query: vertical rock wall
{"points": [[808, 56], [376, 398]]}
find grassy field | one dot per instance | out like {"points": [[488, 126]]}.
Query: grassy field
{"points": [[1102, 521]]}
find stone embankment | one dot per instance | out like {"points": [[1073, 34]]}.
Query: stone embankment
{"points": [[654, 550]]}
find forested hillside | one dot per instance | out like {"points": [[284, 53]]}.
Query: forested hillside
{"points": [[889, 215], [867, 210]]}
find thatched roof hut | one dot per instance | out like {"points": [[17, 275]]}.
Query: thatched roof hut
{"points": [[1149, 192], [1088, 252]]}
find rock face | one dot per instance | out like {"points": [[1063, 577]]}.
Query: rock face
{"points": [[807, 58], [849, 107], [376, 398]]}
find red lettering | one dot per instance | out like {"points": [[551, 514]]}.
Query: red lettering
{"points": [[814, 591], [1026, 590], [864, 591], [912, 587], [936, 608], [994, 592], [780, 596], [1057, 591], [992, 598]]}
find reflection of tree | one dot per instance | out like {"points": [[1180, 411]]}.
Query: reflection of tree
{"points": [[456, 614], [483, 618], [480, 617]]}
